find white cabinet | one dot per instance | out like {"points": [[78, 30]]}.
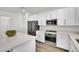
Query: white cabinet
{"points": [[77, 16], [54, 14], [42, 19], [66, 16], [41, 22], [60, 17], [26, 47], [31, 18], [40, 36], [69, 14], [72, 47], [62, 41]]}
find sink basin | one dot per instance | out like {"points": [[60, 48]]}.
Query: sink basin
{"points": [[77, 40]]}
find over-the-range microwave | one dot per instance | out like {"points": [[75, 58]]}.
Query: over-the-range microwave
{"points": [[51, 22]]}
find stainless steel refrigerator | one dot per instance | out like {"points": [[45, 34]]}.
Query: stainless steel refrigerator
{"points": [[32, 27]]}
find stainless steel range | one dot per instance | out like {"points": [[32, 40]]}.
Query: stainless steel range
{"points": [[49, 37]]}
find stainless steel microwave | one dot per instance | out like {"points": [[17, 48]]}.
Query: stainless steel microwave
{"points": [[51, 22]]}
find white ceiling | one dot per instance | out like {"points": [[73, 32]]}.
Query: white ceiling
{"points": [[32, 10]]}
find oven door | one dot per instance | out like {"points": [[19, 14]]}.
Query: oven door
{"points": [[50, 37]]}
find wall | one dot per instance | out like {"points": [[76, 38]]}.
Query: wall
{"points": [[4, 24], [16, 22]]}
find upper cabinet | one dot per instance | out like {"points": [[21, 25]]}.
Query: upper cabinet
{"points": [[64, 16], [41, 20], [43, 17], [77, 16], [68, 16], [54, 14], [60, 17]]}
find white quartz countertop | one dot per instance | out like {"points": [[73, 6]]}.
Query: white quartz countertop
{"points": [[11, 42], [73, 37]]}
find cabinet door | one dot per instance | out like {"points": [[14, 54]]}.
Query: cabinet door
{"points": [[42, 22], [72, 47], [54, 14], [40, 36], [66, 16], [60, 17], [69, 14], [62, 41], [77, 16], [41, 19]]}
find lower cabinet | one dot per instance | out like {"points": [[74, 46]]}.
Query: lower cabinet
{"points": [[72, 47], [62, 41], [29, 46], [40, 36]]}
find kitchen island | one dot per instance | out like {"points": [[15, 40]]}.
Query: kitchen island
{"points": [[21, 42]]}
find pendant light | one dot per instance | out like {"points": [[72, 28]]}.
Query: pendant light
{"points": [[23, 10]]}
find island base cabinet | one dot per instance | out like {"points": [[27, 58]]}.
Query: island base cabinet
{"points": [[26, 47]]}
